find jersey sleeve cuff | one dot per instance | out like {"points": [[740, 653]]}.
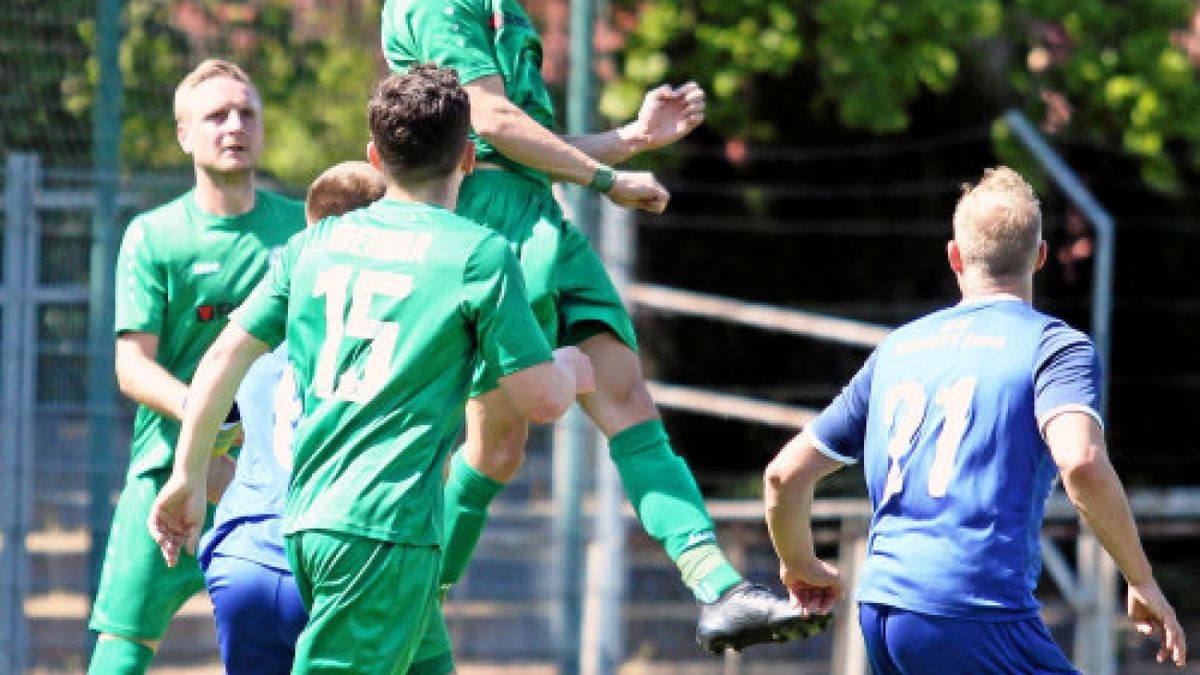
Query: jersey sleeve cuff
{"points": [[516, 364], [823, 448], [258, 330], [1050, 414], [152, 327]]}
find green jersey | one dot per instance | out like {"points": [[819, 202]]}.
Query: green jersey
{"points": [[180, 272], [477, 38], [387, 311]]}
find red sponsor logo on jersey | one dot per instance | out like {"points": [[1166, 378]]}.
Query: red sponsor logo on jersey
{"points": [[496, 21], [206, 312]]}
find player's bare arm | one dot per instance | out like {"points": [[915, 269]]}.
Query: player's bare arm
{"points": [[1077, 444], [143, 379], [788, 487], [542, 393], [521, 139], [177, 515], [667, 114]]}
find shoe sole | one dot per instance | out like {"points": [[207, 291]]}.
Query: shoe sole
{"points": [[781, 631]]}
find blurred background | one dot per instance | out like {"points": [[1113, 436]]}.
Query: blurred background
{"points": [[808, 215]]}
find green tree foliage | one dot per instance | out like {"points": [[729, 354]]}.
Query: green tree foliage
{"points": [[38, 43], [862, 64], [314, 74]]}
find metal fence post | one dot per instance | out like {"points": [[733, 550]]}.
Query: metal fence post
{"points": [[1095, 647], [23, 177], [604, 639], [849, 651], [101, 399]]}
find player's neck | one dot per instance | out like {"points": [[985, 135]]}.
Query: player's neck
{"points": [[225, 194], [438, 193], [974, 290]]}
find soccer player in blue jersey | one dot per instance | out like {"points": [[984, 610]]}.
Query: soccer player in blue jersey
{"points": [[963, 420], [256, 604]]}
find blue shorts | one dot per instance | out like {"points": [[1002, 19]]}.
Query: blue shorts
{"points": [[259, 614], [900, 642]]}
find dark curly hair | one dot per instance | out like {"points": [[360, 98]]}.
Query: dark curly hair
{"points": [[419, 122]]}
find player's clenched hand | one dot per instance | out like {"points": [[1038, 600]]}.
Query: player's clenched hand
{"points": [[639, 190], [1152, 615], [176, 518], [573, 360], [668, 114], [815, 588]]}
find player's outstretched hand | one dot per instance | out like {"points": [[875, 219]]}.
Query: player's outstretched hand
{"points": [[1153, 616], [573, 360], [639, 190], [668, 114], [176, 518], [815, 588]]}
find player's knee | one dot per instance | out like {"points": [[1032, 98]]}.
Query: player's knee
{"points": [[502, 459]]}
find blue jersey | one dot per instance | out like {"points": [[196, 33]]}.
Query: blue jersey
{"points": [[247, 522], [946, 417]]}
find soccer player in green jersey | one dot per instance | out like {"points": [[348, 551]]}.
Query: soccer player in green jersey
{"points": [[387, 311], [497, 53], [181, 269]]}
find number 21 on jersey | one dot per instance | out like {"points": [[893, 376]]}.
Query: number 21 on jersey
{"points": [[337, 284], [906, 407]]}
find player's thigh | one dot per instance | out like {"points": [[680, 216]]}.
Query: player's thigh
{"points": [[911, 642], [138, 593], [258, 614], [371, 601], [588, 302], [525, 213], [434, 655]]}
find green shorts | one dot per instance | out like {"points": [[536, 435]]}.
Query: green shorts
{"points": [[434, 656], [368, 601], [138, 593], [569, 290]]}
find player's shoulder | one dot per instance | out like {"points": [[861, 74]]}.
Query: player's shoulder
{"points": [[159, 230], [166, 215], [280, 207], [279, 201]]}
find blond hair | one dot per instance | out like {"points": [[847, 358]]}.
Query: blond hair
{"points": [[342, 188], [998, 224], [207, 70]]}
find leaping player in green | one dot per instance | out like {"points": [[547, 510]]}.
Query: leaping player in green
{"points": [[498, 54]]}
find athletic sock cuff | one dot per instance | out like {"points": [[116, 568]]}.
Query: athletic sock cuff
{"points": [[638, 438], [120, 656]]}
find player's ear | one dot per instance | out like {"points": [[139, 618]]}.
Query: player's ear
{"points": [[954, 255], [1041, 255], [373, 156], [467, 163], [183, 135]]}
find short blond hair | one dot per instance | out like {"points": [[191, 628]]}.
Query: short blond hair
{"points": [[207, 70], [998, 224], [342, 188]]}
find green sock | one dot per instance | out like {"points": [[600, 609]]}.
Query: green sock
{"points": [[670, 507], [118, 656], [467, 496]]}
